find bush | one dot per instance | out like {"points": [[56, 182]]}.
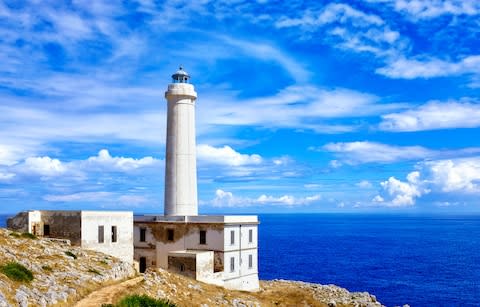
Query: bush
{"points": [[70, 254], [16, 271], [14, 234], [29, 236], [141, 301]]}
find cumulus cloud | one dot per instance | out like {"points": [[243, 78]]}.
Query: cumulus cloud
{"points": [[402, 193], [227, 199], [43, 166], [455, 175], [434, 115], [368, 152], [105, 161], [403, 68], [447, 178], [225, 156]]}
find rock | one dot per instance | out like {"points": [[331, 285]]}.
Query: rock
{"points": [[3, 301]]}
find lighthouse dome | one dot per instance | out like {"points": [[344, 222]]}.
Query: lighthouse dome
{"points": [[180, 76]]}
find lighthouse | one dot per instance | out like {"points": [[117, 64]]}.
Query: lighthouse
{"points": [[180, 162], [216, 249]]}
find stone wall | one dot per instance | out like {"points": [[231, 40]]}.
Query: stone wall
{"points": [[189, 265], [62, 224]]}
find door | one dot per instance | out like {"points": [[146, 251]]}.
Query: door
{"points": [[143, 264]]}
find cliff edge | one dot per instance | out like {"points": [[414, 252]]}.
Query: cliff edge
{"points": [[63, 274]]}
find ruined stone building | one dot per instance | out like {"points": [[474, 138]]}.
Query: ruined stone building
{"points": [[109, 232]]}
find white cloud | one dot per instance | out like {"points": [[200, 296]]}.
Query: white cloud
{"points": [[364, 184], [368, 152], [348, 28], [402, 194], [298, 106], [106, 161], [429, 9], [455, 175], [454, 180], [225, 156], [43, 166], [402, 68], [6, 176], [334, 12], [227, 199], [434, 115]]}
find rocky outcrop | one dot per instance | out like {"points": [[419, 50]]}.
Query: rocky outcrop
{"points": [[59, 277], [185, 292]]}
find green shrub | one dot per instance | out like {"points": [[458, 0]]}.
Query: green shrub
{"points": [[94, 271], [70, 254], [142, 301], [29, 236], [16, 271], [14, 234]]}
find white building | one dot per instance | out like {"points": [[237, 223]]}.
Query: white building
{"points": [[221, 250], [110, 232]]}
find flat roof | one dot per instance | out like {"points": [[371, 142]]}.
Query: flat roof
{"points": [[223, 219]]}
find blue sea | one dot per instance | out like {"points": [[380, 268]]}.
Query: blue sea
{"points": [[416, 260]]}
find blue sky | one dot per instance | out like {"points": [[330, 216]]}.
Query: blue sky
{"points": [[303, 106]]}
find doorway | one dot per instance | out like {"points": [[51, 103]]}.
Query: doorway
{"points": [[143, 264]]}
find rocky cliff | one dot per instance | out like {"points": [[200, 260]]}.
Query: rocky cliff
{"points": [[64, 274]]}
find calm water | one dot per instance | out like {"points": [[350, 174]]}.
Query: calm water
{"points": [[422, 261]]}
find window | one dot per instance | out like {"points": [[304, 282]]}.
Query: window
{"points": [[203, 237], [143, 232], [250, 235], [46, 230], [232, 264], [114, 234], [182, 267], [101, 234], [170, 234], [250, 261], [232, 237]]}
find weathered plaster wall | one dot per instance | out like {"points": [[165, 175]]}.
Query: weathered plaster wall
{"points": [[63, 224], [123, 248], [189, 264]]}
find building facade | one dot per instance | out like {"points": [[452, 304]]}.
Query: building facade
{"points": [[109, 232], [221, 250]]}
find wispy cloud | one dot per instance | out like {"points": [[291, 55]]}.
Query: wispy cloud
{"points": [[372, 152], [227, 199], [403, 68], [348, 28], [429, 9], [434, 115]]}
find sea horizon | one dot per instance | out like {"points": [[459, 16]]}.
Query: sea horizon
{"points": [[401, 259]]}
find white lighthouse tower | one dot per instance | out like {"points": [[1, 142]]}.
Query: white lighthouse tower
{"points": [[180, 164], [216, 249]]}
